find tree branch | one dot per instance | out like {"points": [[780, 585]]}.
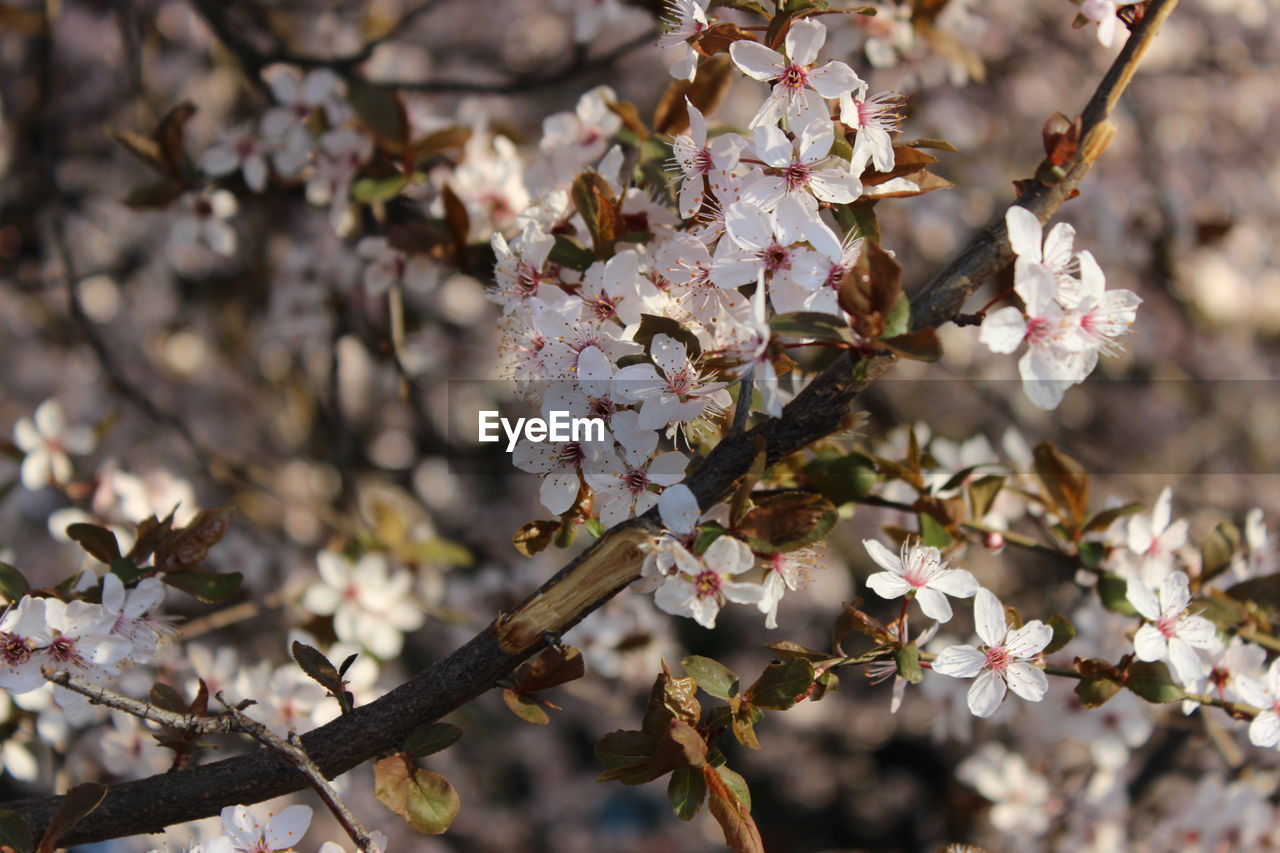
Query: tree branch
{"points": [[292, 751], [149, 805]]}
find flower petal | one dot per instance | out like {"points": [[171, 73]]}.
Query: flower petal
{"points": [[986, 693]]}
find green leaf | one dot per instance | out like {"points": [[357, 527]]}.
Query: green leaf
{"points": [[908, 659], [1094, 692], [712, 676], [166, 698], [126, 570], [1151, 681], [781, 684], [983, 493], [707, 534], [811, 325], [206, 586], [1063, 633], [686, 791], [1113, 591], [372, 190], [15, 833], [1220, 548], [568, 252], [380, 108], [736, 784], [98, 541], [319, 667], [932, 533], [842, 479], [620, 748], [1103, 520], [13, 584], [431, 738], [898, 321], [422, 797], [525, 708]]}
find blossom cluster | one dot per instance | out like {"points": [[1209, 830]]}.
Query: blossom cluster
{"points": [[1069, 316]]}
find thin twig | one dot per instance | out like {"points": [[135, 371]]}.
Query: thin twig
{"points": [[99, 695], [293, 751]]}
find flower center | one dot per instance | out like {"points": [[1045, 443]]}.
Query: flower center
{"points": [[1167, 626], [1037, 329], [702, 163], [997, 659], [776, 257], [572, 454], [796, 176], [707, 583], [793, 77], [637, 480], [14, 650], [63, 650]]}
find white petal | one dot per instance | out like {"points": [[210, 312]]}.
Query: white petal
{"points": [[959, 662], [287, 828], [888, 585], [1265, 729], [986, 693], [988, 617], [955, 582], [1027, 681], [834, 79], [804, 40], [884, 558], [1024, 232], [934, 604], [678, 509], [756, 61], [1003, 331], [1149, 643], [559, 490], [1143, 599]]}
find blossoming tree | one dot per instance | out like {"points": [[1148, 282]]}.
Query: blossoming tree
{"points": [[719, 293]]}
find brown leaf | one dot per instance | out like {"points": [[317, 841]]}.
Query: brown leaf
{"points": [[1066, 482], [870, 289], [169, 135], [423, 798], [787, 521], [705, 93], [626, 111], [190, 545], [535, 536], [551, 668], [740, 831], [1061, 137], [906, 160], [718, 37]]}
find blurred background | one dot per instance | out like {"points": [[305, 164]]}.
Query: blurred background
{"points": [[266, 377]]}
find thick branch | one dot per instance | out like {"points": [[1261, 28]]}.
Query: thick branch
{"points": [[149, 805]]}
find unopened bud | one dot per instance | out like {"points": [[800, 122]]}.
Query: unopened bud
{"points": [[994, 541]]}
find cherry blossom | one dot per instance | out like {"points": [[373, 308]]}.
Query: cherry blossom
{"points": [[700, 595], [1171, 633], [46, 440], [239, 149], [799, 89], [919, 571], [370, 604], [1003, 662], [280, 832], [1099, 316], [622, 486], [1053, 361], [1264, 730], [1105, 13], [204, 222], [874, 119], [24, 635], [671, 391], [804, 169], [388, 266], [767, 240], [703, 163], [682, 21], [1026, 238]]}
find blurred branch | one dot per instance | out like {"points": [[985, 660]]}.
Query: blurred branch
{"points": [[587, 582], [255, 58]]}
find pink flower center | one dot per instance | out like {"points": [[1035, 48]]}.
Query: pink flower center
{"points": [[680, 383], [637, 480], [776, 257], [796, 176], [63, 650], [998, 659], [707, 583], [835, 276], [1167, 626], [572, 454], [1037, 329], [702, 163], [14, 650], [793, 77], [604, 307]]}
